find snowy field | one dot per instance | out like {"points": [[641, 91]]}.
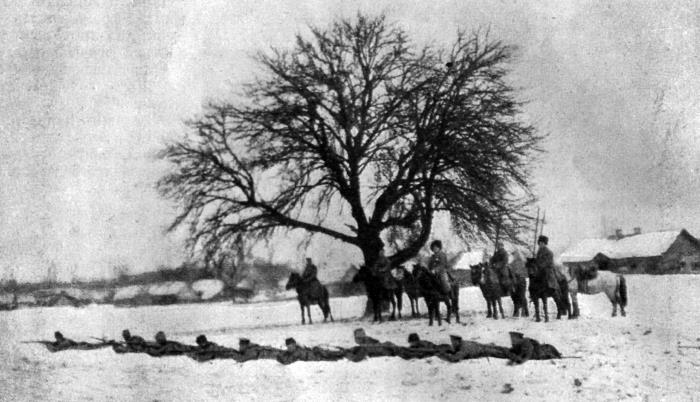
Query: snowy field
{"points": [[635, 358]]}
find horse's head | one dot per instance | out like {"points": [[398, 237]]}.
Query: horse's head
{"points": [[294, 279], [531, 265], [476, 273]]}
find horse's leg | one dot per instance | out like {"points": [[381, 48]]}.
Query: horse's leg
{"points": [[392, 300], [324, 310], [536, 300], [448, 306], [574, 304], [437, 311], [429, 305], [618, 293], [303, 320], [308, 312], [500, 307], [399, 301], [544, 309], [455, 304]]}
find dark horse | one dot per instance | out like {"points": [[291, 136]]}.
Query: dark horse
{"points": [[517, 288], [432, 292], [378, 292], [410, 286], [309, 293], [487, 280], [540, 290]]}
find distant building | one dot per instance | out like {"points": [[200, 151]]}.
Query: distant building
{"points": [[654, 252]]}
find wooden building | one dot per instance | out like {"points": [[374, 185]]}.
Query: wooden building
{"points": [[662, 252]]}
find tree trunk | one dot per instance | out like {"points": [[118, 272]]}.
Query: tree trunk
{"points": [[370, 252]]}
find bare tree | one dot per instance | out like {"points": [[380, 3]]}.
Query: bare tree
{"points": [[357, 117]]}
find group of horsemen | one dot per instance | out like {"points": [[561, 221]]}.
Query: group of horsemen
{"points": [[438, 266]]}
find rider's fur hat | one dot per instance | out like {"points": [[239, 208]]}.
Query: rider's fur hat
{"points": [[413, 337], [543, 239], [436, 243]]}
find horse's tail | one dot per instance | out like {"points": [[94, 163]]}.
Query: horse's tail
{"points": [[623, 291]]}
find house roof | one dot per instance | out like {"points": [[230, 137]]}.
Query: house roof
{"points": [[650, 244], [470, 258], [587, 249]]}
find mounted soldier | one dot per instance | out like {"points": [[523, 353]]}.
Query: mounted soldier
{"points": [[499, 262], [438, 265], [545, 263], [382, 269], [310, 272]]}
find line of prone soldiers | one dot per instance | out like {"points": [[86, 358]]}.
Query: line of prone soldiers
{"points": [[522, 349]]}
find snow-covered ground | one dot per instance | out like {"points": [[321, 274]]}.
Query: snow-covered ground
{"points": [[636, 357]]}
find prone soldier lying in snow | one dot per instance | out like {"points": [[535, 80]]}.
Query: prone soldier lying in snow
{"points": [[131, 344], [296, 352], [525, 349], [164, 347], [462, 350], [206, 350], [62, 343]]}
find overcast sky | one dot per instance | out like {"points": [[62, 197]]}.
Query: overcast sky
{"points": [[90, 92]]}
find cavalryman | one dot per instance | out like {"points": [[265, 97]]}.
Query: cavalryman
{"points": [[438, 265], [499, 262], [545, 262], [382, 269], [310, 272]]}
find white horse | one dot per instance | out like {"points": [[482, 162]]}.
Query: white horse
{"points": [[613, 285]]}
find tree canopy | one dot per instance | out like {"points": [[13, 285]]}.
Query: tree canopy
{"points": [[358, 117]]}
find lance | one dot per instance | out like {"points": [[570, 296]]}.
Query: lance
{"points": [[537, 224], [544, 214]]}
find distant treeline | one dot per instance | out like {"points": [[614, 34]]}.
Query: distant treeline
{"points": [[263, 274]]}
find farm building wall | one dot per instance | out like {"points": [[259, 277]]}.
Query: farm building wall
{"points": [[682, 256]]}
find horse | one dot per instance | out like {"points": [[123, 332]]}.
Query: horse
{"points": [[433, 293], [378, 292], [581, 281], [491, 288], [410, 287], [309, 293], [540, 290], [519, 292]]}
